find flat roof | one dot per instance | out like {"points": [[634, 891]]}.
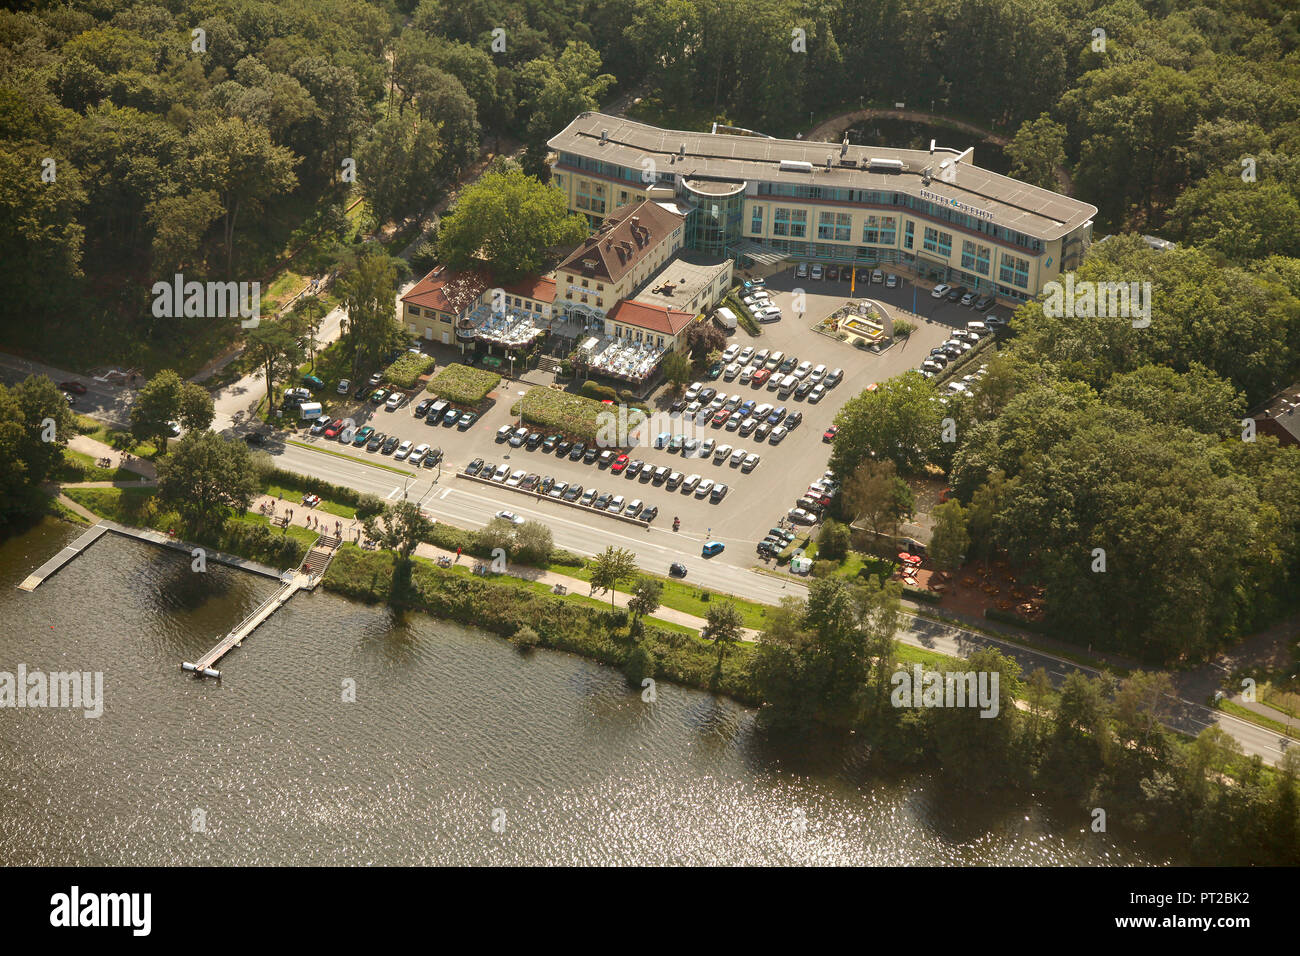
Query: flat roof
{"points": [[677, 282], [1006, 202]]}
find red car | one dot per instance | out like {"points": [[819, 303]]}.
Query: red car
{"points": [[720, 418], [75, 387], [761, 376], [334, 428], [829, 435], [619, 464]]}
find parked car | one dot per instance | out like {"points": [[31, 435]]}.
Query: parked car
{"points": [[379, 396], [834, 377], [362, 436], [832, 272], [817, 271], [466, 420], [800, 516], [518, 437], [939, 291], [515, 478], [422, 409], [817, 393], [334, 428], [502, 471], [984, 303], [571, 493], [588, 496], [577, 451], [634, 507], [674, 480], [504, 432], [650, 513], [377, 441], [376, 379], [474, 466], [390, 445], [955, 295], [778, 433], [549, 443], [633, 467], [312, 382], [75, 387], [620, 463], [718, 493], [589, 456], [615, 505], [403, 450], [828, 436], [877, 276], [801, 271], [750, 463], [418, 453], [968, 298], [891, 281], [660, 474], [689, 484]]}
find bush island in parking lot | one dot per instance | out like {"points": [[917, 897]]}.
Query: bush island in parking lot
{"points": [[406, 371], [575, 416], [463, 385]]}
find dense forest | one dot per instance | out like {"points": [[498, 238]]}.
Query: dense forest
{"points": [[213, 136]]}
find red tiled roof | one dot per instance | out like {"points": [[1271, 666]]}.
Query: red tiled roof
{"points": [[621, 244], [533, 287], [656, 318], [446, 291]]}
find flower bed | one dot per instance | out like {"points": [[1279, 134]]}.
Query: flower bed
{"points": [[463, 385]]}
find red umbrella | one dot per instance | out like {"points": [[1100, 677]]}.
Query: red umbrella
{"points": [[904, 556]]}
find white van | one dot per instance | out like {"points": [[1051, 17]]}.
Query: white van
{"points": [[309, 410], [788, 385], [726, 318]]}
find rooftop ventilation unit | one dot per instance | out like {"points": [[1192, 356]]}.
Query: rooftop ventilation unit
{"points": [[844, 146], [681, 151], [795, 166], [604, 137], [830, 160]]}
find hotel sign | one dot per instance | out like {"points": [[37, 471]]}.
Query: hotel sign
{"points": [[956, 204]]}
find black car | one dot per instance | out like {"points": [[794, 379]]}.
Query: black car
{"points": [[390, 446], [633, 466], [677, 406], [433, 457], [677, 570], [956, 294], [423, 408], [577, 451], [466, 420], [253, 438], [794, 419], [550, 442], [707, 395], [450, 416], [376, 441], [650, 513], [591, 454], [562, 448], [534, 440], [602, 501]]}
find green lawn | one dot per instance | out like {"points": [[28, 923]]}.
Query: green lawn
{"points": [[293, 494], [78, 467], [115, 437], [682, 596]]}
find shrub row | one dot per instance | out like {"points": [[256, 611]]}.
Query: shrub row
{"points": [[919, 594], [504, 607], [1006, 617]]}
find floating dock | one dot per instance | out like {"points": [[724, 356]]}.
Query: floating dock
{"points": [[304, 578], [37, 577]]}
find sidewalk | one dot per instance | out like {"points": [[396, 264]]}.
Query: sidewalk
{"points": [[575, 586]]}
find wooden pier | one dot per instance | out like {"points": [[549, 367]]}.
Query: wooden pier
{"points": [[37, 577], [304, 578]]}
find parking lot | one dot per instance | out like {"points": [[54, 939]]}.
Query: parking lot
{"points": [[755, 501]]}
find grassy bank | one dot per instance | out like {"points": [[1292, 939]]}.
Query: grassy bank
{"points": [[504, 605]]}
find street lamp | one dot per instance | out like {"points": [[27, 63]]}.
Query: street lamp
{"points": [[521, 408]]}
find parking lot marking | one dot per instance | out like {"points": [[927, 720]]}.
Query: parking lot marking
{"points": [[445, 493], [395, 492]]}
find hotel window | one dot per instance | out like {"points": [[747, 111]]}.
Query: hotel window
{"points": [[756, 220], [1014, 271], [591, 196], [660, 342], [936, 241], [907, 235], [599, 302], [834, 225], [622, 197], [880, 230], [584, 284], [975, 258], [415, 310], [790, 222]]}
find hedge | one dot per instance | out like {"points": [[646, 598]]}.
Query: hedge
{"points": [[599, 392], [917, 594], [406, 371], [463, 385], [1005, 617], [575, 416]]}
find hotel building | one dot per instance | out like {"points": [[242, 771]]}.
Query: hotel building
{"points": [[932, 213]]}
